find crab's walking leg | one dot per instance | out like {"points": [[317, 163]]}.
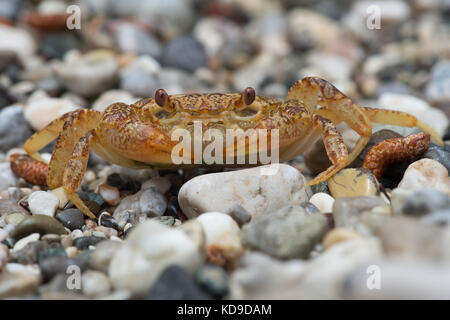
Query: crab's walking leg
{"points": [[403, 119], [336, 107], [74, 172], [335, 147]]}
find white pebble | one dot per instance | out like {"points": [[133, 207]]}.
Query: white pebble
{"points": [[76, 234], [323, 201], [95, 284], [24, 241], [71, 251], [41, 202]]}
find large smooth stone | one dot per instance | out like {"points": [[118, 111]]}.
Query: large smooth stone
{"points": [[38, 224], [255, 192]]}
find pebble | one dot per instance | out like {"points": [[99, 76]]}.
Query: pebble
{"points": [[131, 38], [41, 202], [223, 244], [212, 279], [7, 177], [95, 284], [139, 83], [347, 210], [309, 207], [195, 231], [4, 252], [438, 154], [160, 184], [17, 40], [14, 218], [111, 195], [147, 202], [38, 223], [288, 233], [83, 243], [353, 182], [426, 173], [323, 201], [59, 264], [193, 57], [149, 249], [437, 90], [256, 193], [24, 241], [88, 74], [18, 284], [71, 218], [107, 221], [240, 215], [103, 254], [61, 194], [338, 235], [418, 202], [40, 111], [14, 129], [401, 280], [76, 234], [263, 277], [176, 283]]}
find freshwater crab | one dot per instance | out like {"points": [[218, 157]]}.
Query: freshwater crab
{"points": [[139, 135]]}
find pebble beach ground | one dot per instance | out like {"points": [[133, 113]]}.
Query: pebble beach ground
{"points": [[227, 234]]}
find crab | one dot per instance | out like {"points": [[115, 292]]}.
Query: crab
{"points": [[139, 135]]}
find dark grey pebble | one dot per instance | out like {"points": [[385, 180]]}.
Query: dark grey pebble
{"points": [[193, 54], [439, 154], [14, 129], [309, 207], [51, 252], [114, 180], [59, 264], [424, 201], [38, 223], [213, 279], [240, 214], [71, 218], [175, 283], [83, 243], [56, 45], [96, 197], [172, 207], [30, 253], [320, 187], [108, 221]]}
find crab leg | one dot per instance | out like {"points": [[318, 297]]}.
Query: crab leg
{"points": [[403, 119], [74, 172], [335, 147], [336, 107]]}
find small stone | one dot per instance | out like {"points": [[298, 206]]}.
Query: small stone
{"points": [[17, 284], [111, 195], [213, 279], [438, 154], [76, 234], [89, 74], [8, 207], [138, 82], [114, 180], [323, 201], [424, 201], [286, 234], [4, 252], [160, 184], [66, 241], [44, 203], [24, 241], [152, 203], [82, 243], [309, 207], [347, 210], [353, 182], [193, 56], [255, 192], [438, 88], [338, 235], [240, 215], [41, 224], [14, 218], [40, 111], [61, 194], [71, 218], [426, 173], [96, 197], [148, 250], [175, 283], [106, 220], [95, 284], [51, 252], [320, 187], [59, 264], [195, 231], [131, 37], [102, 255], [14, 129], [223, 244]]}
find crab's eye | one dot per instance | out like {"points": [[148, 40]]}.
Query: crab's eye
{"points": [[248, 95], [161, 97]]}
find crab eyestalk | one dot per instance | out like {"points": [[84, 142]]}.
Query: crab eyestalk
{"points": [[162, 99], [247, 98]]}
